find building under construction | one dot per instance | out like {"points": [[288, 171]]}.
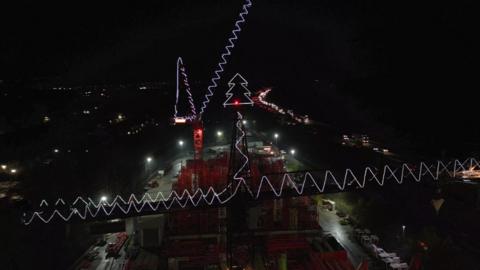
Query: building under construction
{"points": [[269, 234]]}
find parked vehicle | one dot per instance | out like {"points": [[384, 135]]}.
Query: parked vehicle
{"points": [[109, 247], [341, 214], [92, 255], [345, 221], [328, 204], [112, 249], [153, 184]]}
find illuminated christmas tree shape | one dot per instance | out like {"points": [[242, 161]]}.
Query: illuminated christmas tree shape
{"points": [[238, 93]]}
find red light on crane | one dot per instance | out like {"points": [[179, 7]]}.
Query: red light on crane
{"points": [[197, 139]]}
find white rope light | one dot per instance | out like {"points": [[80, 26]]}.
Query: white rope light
{"points": [[181, 72], [260, 99], [236, 176], [90, 209], [226, 52], [60, 200], [246, 93]]}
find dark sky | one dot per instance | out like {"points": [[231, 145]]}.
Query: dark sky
{"points": [[332, 39], [412, 57]]}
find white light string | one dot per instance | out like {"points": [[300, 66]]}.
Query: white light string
{"points": [[260, 99], [226, 52], [186, 199], [181, 72], [230, 95], [236, 176]]}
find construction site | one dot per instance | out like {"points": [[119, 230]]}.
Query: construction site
{"points": [[272, 233], [281, 233]]}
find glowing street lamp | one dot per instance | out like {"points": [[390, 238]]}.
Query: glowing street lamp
{"points": [[148, 163], [4, 167], [244, 122], [103, 199], [292, 152], [13, 171], [275, 136], [219, 133], [180, 143], [56, 150]]}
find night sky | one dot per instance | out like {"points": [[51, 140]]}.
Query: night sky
{"points": [[410, 61], [402, 72]]}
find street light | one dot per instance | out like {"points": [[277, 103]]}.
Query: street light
{"points": [[14, 171], [180, 143], [56, 150], [4, 167], [244, 122], [103, 199], [276, 137], [148, 163], [219, 133], [292, 152]]}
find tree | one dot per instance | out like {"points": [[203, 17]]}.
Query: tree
{"points": [[238, 95]]}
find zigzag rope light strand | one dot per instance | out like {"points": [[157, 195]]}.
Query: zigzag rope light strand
{"points": [[92, 209], [226, 53]]}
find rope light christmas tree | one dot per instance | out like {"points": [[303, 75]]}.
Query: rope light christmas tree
{"points": [[238, 93]]}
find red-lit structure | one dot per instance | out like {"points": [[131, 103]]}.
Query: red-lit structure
{"points": [[197, 138], [192, 117], [197, 126], [205, 237]]}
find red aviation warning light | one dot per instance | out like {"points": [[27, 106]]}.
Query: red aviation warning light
{"points": [[197, 139]]}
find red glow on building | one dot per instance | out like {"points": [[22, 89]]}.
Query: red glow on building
{"points": [[198, 139]]}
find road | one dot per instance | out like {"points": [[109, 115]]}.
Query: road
{"points": [[101, 262], [330, 223], [166, 181]]}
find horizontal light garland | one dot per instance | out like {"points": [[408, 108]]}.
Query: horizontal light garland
{"points": [[91, 209]]}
